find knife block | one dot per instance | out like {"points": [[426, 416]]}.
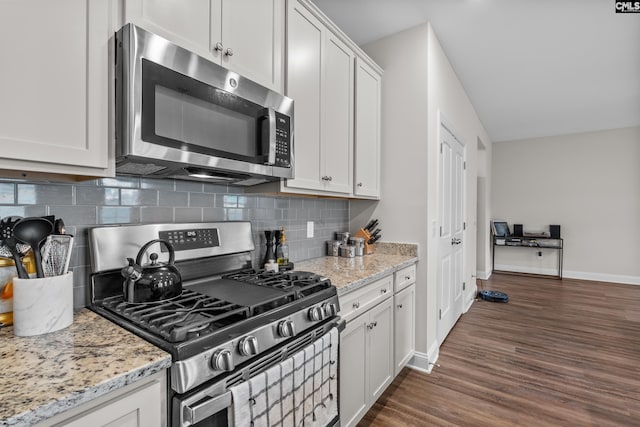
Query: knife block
{"points": [[369, 249]]}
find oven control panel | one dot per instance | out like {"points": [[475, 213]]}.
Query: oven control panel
{"points": [[192, 238]]}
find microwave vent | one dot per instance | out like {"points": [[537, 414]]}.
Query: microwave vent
{"points": [[139, 168]]}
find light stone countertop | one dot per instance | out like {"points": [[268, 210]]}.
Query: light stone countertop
{"points": [[349, 274], [45, 375]]}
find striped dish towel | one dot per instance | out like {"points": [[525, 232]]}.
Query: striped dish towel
{"points": [[300, 391]]}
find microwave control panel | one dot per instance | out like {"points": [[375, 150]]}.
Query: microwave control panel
{"points": [[283, 140]]}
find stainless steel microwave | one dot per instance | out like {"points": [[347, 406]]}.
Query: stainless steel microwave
{"points": [[182, 116]]}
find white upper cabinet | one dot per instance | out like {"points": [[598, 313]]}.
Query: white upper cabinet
{"points": [[320, 80], [367, 131], [245, 36], [54, 102]]}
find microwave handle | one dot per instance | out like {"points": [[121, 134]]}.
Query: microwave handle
{"points": [[271, 117]]}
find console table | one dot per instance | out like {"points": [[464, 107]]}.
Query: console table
{"points": [[531, 243]]}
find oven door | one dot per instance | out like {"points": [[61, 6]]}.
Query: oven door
{"points": [[307, 367]]}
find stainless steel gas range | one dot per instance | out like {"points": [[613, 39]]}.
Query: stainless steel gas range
{"points": [[248, 346]]}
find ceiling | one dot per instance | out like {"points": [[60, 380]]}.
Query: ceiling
{"points": [[531, 68]]}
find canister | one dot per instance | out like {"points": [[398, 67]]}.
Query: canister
{"points": [[347, 251], [358, 243], [343, 236], [333, 247]]}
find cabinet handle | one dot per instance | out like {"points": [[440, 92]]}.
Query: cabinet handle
{"points": [[360, 184], [375, 323], [325, 178], [218, 47], [356, 305], [228, 52], [383, 291], [399, 305], [407, 277]]}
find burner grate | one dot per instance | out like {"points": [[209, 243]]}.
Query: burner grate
{"points": [[180, 318]]}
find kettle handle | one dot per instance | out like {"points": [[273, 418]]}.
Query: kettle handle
{"points": [[169, 246]]}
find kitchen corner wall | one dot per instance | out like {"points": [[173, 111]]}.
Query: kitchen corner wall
{"points": [[107, 201]]}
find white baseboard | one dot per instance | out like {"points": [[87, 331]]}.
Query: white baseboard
{"points": [[424, 362], [483, 275], [600, 277]]}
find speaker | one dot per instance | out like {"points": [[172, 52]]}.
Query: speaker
{"points": [[554, 230], [517, 230]]}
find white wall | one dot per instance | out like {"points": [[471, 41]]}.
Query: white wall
{"points": [[418, 86], [589, 183]]}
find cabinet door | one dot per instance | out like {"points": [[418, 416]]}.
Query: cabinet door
{"points": [[367, 131], [183, 23], [353, 371], [254, 31], [337, 124], [305, 38], [380, 348], [404, 326], [143, 407], [54, 106]]}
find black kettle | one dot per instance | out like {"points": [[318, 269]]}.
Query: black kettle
{"points": [[153, 282]]}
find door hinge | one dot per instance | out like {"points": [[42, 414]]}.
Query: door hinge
{"points": [[464, 285], [440, 231], [440, 314], [464, 225], [464, 165]]}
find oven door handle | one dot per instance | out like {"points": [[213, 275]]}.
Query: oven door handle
{"points": [[196, 413]]}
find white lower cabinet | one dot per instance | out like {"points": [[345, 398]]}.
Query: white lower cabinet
{"points": [[366, 361], [404, 323], [141, 404]]}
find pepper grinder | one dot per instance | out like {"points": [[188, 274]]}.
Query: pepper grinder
{"points": [[270, 256]]}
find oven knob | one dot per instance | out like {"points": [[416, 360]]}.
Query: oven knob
{"points": [[286, 328], [315, 314], [222, 361], [330, 309], [248, 346]]}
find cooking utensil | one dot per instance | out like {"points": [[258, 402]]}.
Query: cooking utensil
{"points": [[58, 227], [152, 282], [9, 241], [33, 231], [56, 254]]}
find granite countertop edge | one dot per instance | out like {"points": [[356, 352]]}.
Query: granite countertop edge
{"points": [[78, 398], [76, 367], [375, 276]]}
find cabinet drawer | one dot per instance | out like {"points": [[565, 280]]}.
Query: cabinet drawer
{"points": [[357, 302], [404, 278]]}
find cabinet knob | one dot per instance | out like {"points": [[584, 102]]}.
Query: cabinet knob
{"points": [[407, 277], [356, 305], [399, 305], [360, 184], [218, 47], [383, 291], [229, 52]]}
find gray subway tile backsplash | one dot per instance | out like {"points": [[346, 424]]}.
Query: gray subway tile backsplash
{"points": [[126, 200]]}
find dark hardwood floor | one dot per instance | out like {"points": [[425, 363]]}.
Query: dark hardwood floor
{"points": [[559, 353]]}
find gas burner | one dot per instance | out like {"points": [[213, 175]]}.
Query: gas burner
{"points": [[180, 318]]}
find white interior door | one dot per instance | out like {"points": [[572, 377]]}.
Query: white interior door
{"points": [[451, 241]]}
